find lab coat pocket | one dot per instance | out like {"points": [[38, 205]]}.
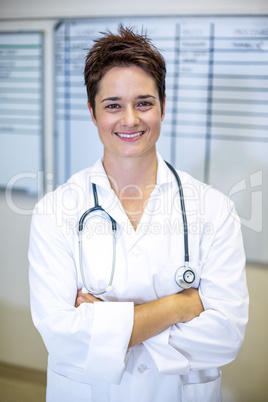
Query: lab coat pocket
{"points": [[63, 389], [165, 284], [206, 391]]}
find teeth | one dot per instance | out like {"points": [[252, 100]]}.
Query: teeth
{"points": [[130, 135]]}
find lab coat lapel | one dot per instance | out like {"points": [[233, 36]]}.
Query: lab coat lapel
{"points": [[107, 197], [111, 204]]}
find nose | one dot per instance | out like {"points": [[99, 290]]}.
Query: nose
{"points": [[130, 117]]}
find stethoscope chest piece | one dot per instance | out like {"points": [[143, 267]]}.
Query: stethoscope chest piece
{"points": [[185, 277]]}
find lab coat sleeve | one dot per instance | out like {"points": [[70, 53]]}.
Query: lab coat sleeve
{"points": [[215, 337], [90, 340]]}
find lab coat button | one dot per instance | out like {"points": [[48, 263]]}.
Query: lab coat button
{"points": [[142, 368]]}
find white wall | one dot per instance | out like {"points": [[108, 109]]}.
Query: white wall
{"points": [[245, 379], [88, 8], [20, 343]]}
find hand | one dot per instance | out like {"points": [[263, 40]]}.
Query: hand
{"points": [[189, 305], [154, 317], [85, 298]]}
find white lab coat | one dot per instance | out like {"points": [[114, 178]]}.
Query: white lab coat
{"points": [[88, 351]]}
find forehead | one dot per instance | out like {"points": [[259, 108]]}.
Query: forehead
{"points": [[125, 79]]}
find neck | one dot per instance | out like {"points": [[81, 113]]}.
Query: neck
{"points": [[131, 174]]}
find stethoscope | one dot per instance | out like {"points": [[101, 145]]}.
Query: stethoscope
{"points": [[184, 275]]}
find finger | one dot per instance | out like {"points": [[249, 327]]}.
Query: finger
{"points": [[79, 300], [80, 292]]}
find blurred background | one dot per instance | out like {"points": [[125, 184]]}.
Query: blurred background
{"points": [[216, 128]]}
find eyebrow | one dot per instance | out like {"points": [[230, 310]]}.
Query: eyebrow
{"points": [[116, 98]]}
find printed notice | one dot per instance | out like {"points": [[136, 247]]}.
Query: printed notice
{"points": [[21, 110]]}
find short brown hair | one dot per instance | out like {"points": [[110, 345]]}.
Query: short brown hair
{"points": [[123, 49]]}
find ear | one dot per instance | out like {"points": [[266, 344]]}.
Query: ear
{"points": [[92, 114], [164, 110]]}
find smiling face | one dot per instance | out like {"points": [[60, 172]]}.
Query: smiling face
{"points": [[127, 113]]}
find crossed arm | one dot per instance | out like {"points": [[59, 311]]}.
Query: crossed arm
{"points": [[154, 317]]}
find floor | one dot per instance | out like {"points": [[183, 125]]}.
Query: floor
{"points": [[21, 385]]}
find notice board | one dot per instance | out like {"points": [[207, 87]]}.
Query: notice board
{"points": [[21, 110], [216, 124]]}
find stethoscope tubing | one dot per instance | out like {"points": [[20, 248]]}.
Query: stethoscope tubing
{"points": [[183, 212], [108, 217]]}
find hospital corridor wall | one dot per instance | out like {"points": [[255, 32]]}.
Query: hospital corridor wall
{"points": [[244, 380]]}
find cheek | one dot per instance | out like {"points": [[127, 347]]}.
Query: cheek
{"points": [[104, 121], [106, 125], [105, 129], [155, 121]]}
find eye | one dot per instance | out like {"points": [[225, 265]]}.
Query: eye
{"points": [[112, 106], [144, 104]]}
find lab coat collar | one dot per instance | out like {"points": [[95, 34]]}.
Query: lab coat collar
{"points": [[107, 197], [99, 176], [110, 202], [164, 175]]}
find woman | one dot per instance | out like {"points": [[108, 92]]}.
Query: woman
{"points": [[139, 337]]}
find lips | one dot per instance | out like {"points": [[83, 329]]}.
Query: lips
{"points": [[130, 136]]}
